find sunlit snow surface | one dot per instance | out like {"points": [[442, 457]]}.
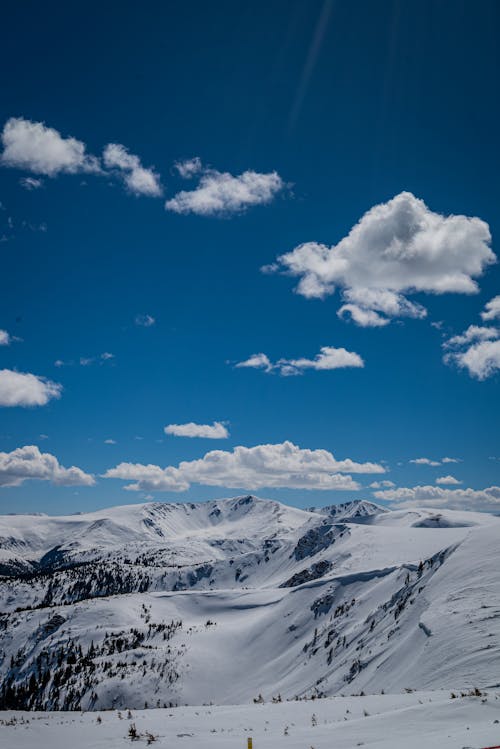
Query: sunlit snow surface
{"points": [[420, 720], [265, 600]]}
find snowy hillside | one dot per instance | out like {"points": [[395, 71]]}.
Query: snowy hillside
{"points": [[434, 720], [240, 599]]}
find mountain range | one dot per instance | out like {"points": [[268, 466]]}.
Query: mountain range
{"points": [[242, 599]]}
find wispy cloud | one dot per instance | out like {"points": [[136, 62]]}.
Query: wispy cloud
{"points": [[31, 183], [215, 431], [329, 358], [86, 361], [144, 321], [5, 338], [138, 179], [222, 194], [189, 167], [432, 462], [382, 485], [473, 334], [311, 60], [425, 462], [492, 309], [282, 465]]}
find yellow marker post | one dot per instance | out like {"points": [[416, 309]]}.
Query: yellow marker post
{"points": [[249, 743]]}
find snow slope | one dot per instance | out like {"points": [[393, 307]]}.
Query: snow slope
{"points": [[220, 602], [413, 721]]}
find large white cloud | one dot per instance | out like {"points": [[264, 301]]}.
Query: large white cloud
{"points": [[281, 465], [138, 179], [43, 150], [397, 248], [215, 431], [29, 463], [436, 496], [221, 193], [328, 358], [26, 389], [492, 309]]}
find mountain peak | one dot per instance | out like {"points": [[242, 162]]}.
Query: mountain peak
{"points": [[354, 510]]}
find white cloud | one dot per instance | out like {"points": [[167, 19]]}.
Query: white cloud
{"points": [[31, 183], [264, 466], [382, 485], [29, 463], [492, 309], [215, 431], [221, 193], [149, 478], [110, 442], [189, 167], [481, 360], [429, 462], [5, 338], [472, 334], [138, 179], [328, 358], [365, 318], [397, 248], [86, 361], [256, 361], [435, 496], [448, 480], [43, 150], [477, 350], [26, 389], [144, 321], [425, 462], [367, 307]]}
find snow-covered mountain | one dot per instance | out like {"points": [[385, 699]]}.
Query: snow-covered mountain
{"points": [[227, 600]]}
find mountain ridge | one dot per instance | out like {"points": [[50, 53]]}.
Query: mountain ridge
{"points": [[171, 603]]}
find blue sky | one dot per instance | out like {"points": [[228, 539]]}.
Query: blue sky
{"points": [[327, 110]]}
